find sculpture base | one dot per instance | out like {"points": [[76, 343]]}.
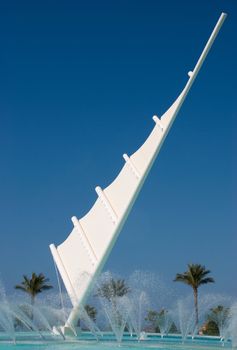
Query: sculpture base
{"points": [[66, 331]]}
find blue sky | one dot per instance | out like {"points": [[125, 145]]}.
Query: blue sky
{"points": [[79, 84]]}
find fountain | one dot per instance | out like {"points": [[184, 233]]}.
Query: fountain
{"points": [[185, 317], [117, 311], [139, 304], [232, 327], [21, 322], [164, 322]]}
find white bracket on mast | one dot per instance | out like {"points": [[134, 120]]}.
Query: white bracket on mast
{"points": [[63, 272], [107, 204], [85, 241], [158, 122], [132, 166]]}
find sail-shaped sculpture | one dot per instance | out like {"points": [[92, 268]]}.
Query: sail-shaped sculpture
{"points": [[82, 255]]}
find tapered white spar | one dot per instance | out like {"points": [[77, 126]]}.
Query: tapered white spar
{"points": [[82, 255]]}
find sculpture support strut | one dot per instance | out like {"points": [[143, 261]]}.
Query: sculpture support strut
{"points": [[81, 257]]}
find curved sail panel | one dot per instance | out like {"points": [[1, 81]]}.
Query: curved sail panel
{"points": [[99, 227], [76, 263], [86, 248], [121, 191], [145, 154]]}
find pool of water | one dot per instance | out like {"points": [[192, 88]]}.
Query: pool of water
{"points": [[32, 341]]}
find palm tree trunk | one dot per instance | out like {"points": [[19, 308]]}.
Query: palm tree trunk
{"points": [[195, 293], [32, 299]]}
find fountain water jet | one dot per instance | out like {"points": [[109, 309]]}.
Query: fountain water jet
{"points": [[184, 317], [139, 304], [164, 322]]}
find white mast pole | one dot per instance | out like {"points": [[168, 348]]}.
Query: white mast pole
{"points": [[207, 48]]}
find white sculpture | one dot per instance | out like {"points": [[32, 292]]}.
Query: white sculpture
{"points": [[82, 255]]}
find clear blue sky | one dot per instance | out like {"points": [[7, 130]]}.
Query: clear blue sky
{"points": [[79, 83]]}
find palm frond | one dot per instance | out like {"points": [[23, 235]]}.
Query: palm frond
{"points": [[194, 276], [18, 286], [207, 280]]}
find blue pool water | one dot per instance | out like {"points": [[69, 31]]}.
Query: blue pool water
{"points": [[31, 341]]}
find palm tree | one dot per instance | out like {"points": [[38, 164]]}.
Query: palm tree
{"points": [[91, 312], [217, 320], [34, 285], [113, 288], [151, 317], [195, 276]]}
